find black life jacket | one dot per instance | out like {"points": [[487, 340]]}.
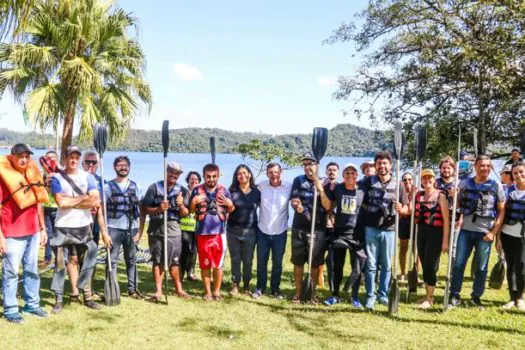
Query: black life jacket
{"points": [[375, 199], [515, 207], [431, 216], [123, 203], [209, 206], [479, 202], [173, 211]]}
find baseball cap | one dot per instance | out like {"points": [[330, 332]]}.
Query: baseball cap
{"points": [[427, 172], [367, 163], [309, 156], [21, 148], [350, 165], [73, 149], [175, 167], [506, 169]]}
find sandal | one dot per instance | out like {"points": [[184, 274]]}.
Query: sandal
{"points": [[296, 300], [75, 299], [218, 298], [207, 298], [184, 296], [154, 299]]}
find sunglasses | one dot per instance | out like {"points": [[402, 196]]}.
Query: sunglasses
{"points": [[91, 162], [406, 180]]}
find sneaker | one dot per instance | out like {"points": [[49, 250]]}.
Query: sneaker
{"points": [[15, 318], [383, 300], [278, 295], [92, 305], [38, 312], [234, 291], [331, 301], [57, 308], [425, 305], [370, 303], [357, 304], [509, 305], [476, 301], [454, 301], [520, 305], [257, 294]]}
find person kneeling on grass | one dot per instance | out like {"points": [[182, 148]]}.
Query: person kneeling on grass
{"points": [[211, 203], [345, 199], [512, 237], [433, 226], [176, 207]]}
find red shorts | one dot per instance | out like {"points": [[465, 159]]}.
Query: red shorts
{"points": [[212, 250]]}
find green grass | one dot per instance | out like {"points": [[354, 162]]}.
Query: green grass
{"points": [[242, 323]]}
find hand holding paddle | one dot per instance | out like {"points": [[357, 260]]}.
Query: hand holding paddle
{"points": [[165, 147]]}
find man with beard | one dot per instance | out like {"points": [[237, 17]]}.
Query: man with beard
{"points": [[122, 205], [446, 180], [76, 193], [332, 170], [302, 203], [482, 206], [378, 218], [515, 157], [211, 203], [175, 207]]}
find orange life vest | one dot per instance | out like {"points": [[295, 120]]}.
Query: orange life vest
{"points": [[25, 189], [208, 206]]}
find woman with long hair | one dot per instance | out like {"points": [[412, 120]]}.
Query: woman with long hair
{"points": [[242, 227], [188, 255]]}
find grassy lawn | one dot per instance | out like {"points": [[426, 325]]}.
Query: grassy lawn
{"points": [[242, 323]]}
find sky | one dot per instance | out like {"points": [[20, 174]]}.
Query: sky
{"points": [[256, 65]]}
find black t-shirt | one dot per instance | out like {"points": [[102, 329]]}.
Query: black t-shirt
{"points": [[245, 213], [303, 188], [155, 195], [347, 204]]}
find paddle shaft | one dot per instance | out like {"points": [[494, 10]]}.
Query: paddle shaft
{"points": [[412, 225], [104, 211], [312, 232], [166, 230]]}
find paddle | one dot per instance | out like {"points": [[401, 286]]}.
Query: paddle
{"points": [[393, 297], [473, 266], [522, 142], [452, 236], [319, 145], [212, 149], [420, 148], [111, 287], [165, 147]]}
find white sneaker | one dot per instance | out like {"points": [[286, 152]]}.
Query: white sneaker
{"points": [[520, 305], [509, 305], [425, 305]]}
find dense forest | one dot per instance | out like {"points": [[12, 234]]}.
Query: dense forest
{"points": [[344, 140]]}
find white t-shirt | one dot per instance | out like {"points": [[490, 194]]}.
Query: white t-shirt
{"points": [[273, 213], [514, 230]]}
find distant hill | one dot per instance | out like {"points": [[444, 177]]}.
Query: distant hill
{"points": [[344, 140]]}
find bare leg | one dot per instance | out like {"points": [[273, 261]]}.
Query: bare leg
{"points": [[158, 275], [217, 281], [298, 279], [206, 281], [72, 271], [403, 250], [315, 276], [430, 293], [175, 276]]}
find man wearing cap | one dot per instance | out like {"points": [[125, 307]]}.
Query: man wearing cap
{"points": [[22, 230], [302, 203], [212, 203], [515, 157], [345, 199], [368, 168], [378, 217], [123, 205], [76, 193], [506, 176], [175, 207]]}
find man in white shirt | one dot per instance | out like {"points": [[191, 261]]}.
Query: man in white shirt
{"points": [[272, 233], [123, 205]]}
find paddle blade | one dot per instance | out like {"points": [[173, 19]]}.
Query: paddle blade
{"points": [[212, 149], [497, 275], [319, 143], [307, 288], [421, 142], [165, 137], [100, 138], [398, 139], [393, 298], [412, 280], [111, 291], [522, 142]]}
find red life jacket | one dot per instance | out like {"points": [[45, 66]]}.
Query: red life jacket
{"points": [[431, 216], [208, 206]]}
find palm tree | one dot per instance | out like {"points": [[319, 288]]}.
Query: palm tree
{"points": [[77, 63], [13, 15]]}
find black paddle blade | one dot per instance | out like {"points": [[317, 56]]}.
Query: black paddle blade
{"points": [[393, 298], [111, 291], [307, 288], [412, 280], [212, 149], [319, 143], [522, 142], [421, 142], [398, 139], [497, 275], [100, 138], [165, 137]]}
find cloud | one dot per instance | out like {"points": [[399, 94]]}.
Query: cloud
{"points": [[186, 72], [326, 81]]}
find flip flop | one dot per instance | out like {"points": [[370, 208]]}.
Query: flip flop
{"points": [[218, 298], [184, 296], [154, 299], [296, 300], [207, 298]]}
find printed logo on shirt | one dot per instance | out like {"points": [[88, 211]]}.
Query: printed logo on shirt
{"points": [[348, 205]]}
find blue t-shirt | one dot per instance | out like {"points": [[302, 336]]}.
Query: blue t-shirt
{"points": [[211, 224]]}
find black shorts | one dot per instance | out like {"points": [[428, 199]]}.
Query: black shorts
{"points": [[404, 228], [301, 246], [156, 244]]}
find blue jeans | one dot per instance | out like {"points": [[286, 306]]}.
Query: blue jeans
{"points": [[276, 244], [49, 216], [467, 240], [241, 244], [379, 249], [25, 250], [124, 238]]}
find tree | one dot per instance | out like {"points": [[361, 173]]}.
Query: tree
{"points": [[78, 63], [447, 64], [13, 15], [265, 153]]}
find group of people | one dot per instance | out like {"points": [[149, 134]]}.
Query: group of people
{"points": [[65, 212]]}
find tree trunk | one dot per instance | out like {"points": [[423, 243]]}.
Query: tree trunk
{"points": [[67, 131]]}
